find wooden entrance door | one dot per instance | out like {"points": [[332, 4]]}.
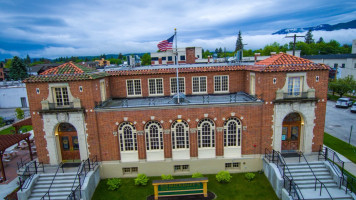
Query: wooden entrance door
{"points": [[69, 146], [290, 137]]}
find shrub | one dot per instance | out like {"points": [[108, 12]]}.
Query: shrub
{"points": [[141, 179], [250, 176], [20, 114], [113, 183], [197, 175], [223, 177], [166, 177]]}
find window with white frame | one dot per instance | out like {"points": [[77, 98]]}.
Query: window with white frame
{"points": [[61, 96], [154, 136], [181, 168], [181, 81], [206, 133], [221, 83], [129, 170], [295, 86], [199, 84], [233, 165], [155, 86], [180, 134], [128, 137], [133, 87], [232, 132]]}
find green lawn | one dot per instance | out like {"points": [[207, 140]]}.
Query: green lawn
{"points": [[340, 146], [8, 130], [239, 188]]}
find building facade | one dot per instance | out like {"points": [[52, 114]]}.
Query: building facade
{"points": [[188, 55], [224, 117]]}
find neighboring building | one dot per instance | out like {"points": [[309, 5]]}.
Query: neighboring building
{"points": [[344, 64], [13, 94], [2, 74], [189, 55], [103, 62], [92, 64], [132, 121], [38, 69]]}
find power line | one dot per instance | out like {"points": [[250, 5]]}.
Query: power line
{"points": [[295, 38]]}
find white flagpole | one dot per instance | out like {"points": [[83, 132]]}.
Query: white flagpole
{"points": [[175, 36]]}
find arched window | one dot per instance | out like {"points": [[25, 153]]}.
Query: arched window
{"points": [[206, 133], [128, 137], [180, 134], [154, 136], [232, 132]]}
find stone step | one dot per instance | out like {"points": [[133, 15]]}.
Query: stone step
{"points": [[46, 178], [320, 177], [62, 181], [309, 173], [53, 190], [312, 181], [65, 185], [312, 185], [336, 193], [52, 194], [59, 174], [307, 167]]}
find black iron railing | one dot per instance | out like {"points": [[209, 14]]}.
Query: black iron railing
{"points": [[315, 178], [47, 195], [289, 184], [295, 95], [58, 106], [31, 168], [346, 179]]}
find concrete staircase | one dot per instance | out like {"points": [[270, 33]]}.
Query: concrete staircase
{"points": [[60, 189], [305, 180]]}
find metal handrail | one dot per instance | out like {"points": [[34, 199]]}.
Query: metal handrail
{"points": [[343, 175], [316, 179], [27, 175], [54, 177], [280, 159]]}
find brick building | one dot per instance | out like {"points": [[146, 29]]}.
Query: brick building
{"points": [[132, 121]]}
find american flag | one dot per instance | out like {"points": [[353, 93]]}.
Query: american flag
{"points": [[166, 44]]}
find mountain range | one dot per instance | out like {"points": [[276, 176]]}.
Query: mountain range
{"points": [[321, 27]]}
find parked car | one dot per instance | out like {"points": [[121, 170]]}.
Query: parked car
{"points": [[353, 108], [343, 102], [8, 120]]}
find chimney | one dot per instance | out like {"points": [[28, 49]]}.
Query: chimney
{"points": [[256, 55], [273, 53]]}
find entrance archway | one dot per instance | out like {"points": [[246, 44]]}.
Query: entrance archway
{"points": [[291, 132], [68, 140]]}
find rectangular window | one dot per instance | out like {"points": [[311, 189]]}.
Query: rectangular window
{"points": [[199, 84], [163, 58], [182, 57], [155, 86], [61, 97], [233, 165], [181, 168], [335, 65], [343, 65], [221, 83], [169, 58], [129, 170], [133, 87], [154, 58], [174, 85], [294, 86]]}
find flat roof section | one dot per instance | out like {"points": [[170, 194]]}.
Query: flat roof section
{"points": [[239, 97]]}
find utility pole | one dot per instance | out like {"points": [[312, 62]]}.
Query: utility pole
{"points": [[295, 38]]}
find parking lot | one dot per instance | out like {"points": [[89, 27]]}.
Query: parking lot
{"points": [[338, 122], [10, 113]]}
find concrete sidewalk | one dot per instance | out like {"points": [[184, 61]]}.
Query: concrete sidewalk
{"points": [[348, 165]]}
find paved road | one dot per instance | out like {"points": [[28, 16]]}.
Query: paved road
{"points": [[10, 112], [338, 122]]}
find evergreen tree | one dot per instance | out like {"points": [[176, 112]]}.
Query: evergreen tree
{"points": [[239, 45], [18, 69], [146, 59], [321, 40], [28, 60], [309, 37], [220, 50]]}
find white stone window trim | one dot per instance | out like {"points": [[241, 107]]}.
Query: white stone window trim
{"points": [[148, 141], [252, 83], [127, 89], [174, 135], [156, 86], [102, 90], [304, 85], [199, 81], [221, 84], [212, 133], [180, 88], [238, 131], [121, 136]]}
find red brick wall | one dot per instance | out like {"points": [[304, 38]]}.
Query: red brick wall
{"points": [[190, 55]]}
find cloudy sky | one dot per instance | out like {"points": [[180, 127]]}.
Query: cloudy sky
{"points": [[53, 28]]}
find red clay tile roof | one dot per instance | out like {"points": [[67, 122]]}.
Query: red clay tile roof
{"points": [[285, 62], [7, 141], [67, 72]]}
